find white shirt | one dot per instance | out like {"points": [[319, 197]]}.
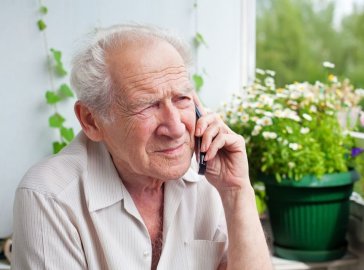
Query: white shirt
{"points": [[72, 211]]}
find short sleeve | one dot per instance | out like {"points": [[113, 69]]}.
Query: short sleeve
{"points": [[44, 236]]}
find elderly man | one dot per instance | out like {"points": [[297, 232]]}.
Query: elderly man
{"points": [[125, 193]]}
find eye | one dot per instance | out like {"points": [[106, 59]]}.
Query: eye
{"points": [[183, 98], [183, 101]]}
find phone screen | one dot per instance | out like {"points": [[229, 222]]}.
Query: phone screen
{"points": [[200, 155]]}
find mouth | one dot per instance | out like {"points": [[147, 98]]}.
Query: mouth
{"points": [[171, 151]]}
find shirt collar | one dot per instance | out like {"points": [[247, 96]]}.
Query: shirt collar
{"points": [[103, 186]]}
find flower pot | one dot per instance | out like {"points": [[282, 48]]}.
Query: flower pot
{"points": [[309, 218]]}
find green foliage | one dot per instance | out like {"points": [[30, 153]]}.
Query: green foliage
{"points": [[56, 120], [260, 197], [41, 25], [294, 37], [58, 66], [58, 146], [198, 80], [65, 91], [43, 10], [53, 96], [67, 134], [292, 131], [199, 40]]}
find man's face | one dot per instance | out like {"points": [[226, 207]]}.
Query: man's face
{"points": [[153, 118]]}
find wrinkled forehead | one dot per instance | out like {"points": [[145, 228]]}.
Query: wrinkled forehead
{"points": [[147, 66]]}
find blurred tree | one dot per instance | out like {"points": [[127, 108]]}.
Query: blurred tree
{"points": [[295, 37]]}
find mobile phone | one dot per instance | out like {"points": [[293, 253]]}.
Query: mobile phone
{"points": [[200, 155]]}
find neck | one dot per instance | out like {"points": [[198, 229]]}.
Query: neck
{"points": [[147, 189]]}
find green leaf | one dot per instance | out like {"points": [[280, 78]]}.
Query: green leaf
{"points": [[65, 91], [67, 134], [60, 70], [41, 25], [43, 10], [56, 120], [199, 39], [260, 205], [52, 97], [57, 146], [57, 56], [198, 80]]}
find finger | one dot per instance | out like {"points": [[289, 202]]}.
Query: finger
{"points": [[198, 103], [215, 146], [230, 142], [210, 133], [207, 120]]}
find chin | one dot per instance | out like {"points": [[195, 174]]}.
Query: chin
{"points": [[174, 171]]}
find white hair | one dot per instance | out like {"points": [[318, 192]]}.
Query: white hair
{"points": [[89, 76]]}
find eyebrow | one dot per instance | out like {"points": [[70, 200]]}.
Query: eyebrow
{"points": [[145, 101]]}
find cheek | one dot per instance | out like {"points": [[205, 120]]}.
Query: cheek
{"points": [[190, 122], [142, 133]]}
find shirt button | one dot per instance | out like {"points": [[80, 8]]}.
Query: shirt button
{"points": [[146, 253]]}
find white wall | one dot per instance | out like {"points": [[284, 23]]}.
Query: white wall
{"points": [[25, 136]]}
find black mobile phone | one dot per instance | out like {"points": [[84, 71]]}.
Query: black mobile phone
{"points": [[200, 155]]}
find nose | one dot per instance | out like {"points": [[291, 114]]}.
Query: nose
{"points": [[171, 124]]}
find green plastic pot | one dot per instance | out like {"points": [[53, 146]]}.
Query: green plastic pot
{"points": [[309, 218]]}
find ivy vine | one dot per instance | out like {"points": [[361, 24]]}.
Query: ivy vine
{"points": [[56, 94]]}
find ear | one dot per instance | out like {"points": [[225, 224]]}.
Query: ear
{"points": [[88, 121]]}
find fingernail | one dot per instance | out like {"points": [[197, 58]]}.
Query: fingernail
{"points": [[203, 148], [198, 132]]}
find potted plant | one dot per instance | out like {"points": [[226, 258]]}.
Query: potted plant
{"points": [[297, 147]]}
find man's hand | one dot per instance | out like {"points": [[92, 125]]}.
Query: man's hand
{"points": [[227, 169], [227, 163]]}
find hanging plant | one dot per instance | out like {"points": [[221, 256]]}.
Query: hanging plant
{"points": [[56, 94]]}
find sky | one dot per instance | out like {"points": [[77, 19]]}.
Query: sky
{"points": [[345, 7]]}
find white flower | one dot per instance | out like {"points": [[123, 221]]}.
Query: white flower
{"points": [[260, 71], [359, 92], [244, 117], [294, 146], [304, 130], [268, 114], [307, 117], [269, 81], [266, 100], [269, 135], [256, 130], [265, 121], [270, 72], [328, 64], [295, 95], [259, 111], [292, 87], [313, 108], [289, 130], [291, 164]]}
